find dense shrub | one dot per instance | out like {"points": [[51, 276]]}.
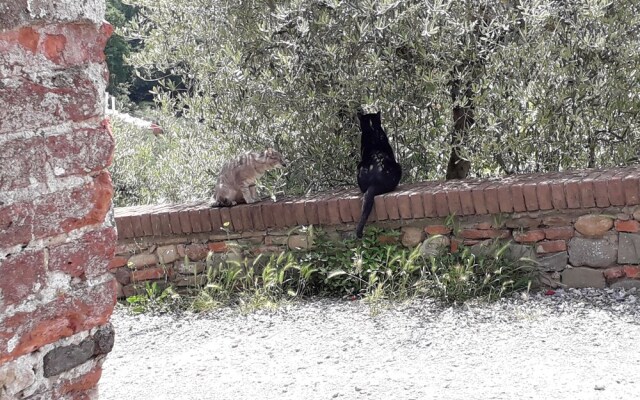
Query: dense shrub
{"points": [[548, 85]]}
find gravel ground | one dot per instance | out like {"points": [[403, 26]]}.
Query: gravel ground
{"points": [[575, 344]]}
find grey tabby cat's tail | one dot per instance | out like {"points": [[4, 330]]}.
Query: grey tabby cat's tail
{"points": [[367, 206]]}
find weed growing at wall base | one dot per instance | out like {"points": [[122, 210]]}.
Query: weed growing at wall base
{"points": [[348, 268]]}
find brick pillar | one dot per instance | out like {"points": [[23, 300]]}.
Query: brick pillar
{"points": [[56, 231]]}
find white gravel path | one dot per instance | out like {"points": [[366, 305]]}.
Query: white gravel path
{"points": [[580, 344]]}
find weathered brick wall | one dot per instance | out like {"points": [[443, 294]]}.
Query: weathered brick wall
{"points": [[581, 227], [56, 238]]}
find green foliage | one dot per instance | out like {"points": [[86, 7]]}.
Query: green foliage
{"points": [[350, 269], [549, 81], [461, 276], [155, 299]]}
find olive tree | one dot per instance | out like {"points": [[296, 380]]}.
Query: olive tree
{"points": [[465, 87]]}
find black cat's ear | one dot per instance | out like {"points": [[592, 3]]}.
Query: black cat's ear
{"points": [[359, 112]]}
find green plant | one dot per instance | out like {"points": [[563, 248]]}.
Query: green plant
{"points": [[153, 298], [489, 274]]}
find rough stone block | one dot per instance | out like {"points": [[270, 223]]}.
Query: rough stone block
{"points": [[519, 251], [593, 225], [167, 254], [411, 236], [629, 248], [554, 262], [195, 252], [299, 242], [581, 277], [192, 267], [627, 284], [17, 13], [64, 358], [593, 252], [142, 260], [434, 245]]}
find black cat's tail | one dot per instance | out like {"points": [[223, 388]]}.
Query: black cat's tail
{"points": [[367, 206]]}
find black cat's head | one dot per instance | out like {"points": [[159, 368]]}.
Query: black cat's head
{"points": [[369, 120]]}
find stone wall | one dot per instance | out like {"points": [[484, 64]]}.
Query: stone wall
{"points": [[581, 227], [56, 295]]}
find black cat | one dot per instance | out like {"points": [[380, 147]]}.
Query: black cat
{"points": [[378, 172]]}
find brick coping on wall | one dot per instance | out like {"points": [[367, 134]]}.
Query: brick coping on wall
{"points": [[517, 193]]}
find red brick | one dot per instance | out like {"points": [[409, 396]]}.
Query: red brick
{"points": [[53, 46], [504, 199], [184, 221], [256, 217], [531, 236], [551, 246], [587, 194], [205, 219], [156, 224], [631, 271], [136, 222], [334, 211], [560, 232], [145, 223], [215, 218], [627, 226], [311, 212], [543, 195], [194, 220], [28, 38], [466, 202], [404, 205], [455, 244], [289, 214], [197, 251], [345, 210], [530, 196], [615, 190], [21, 274], [218, 247], [484, 233], [69, 313], [16, 222], [247, 221], [415, 201], [174, 219], [437, 230], [24, 161], [600, 190], [557, 195], [226, 223], [236, 218], [147, 274], [572, 193], [477, 194], [323, 212], [491, 200], [613, 273], [517, 197], [355, 205], [87, 257], [441, 203], [631, 189], [380, 208], [72, 209], [453, 199], [429, 204], [117, 262], [268, 218], [79, 385], [391, 204]]}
